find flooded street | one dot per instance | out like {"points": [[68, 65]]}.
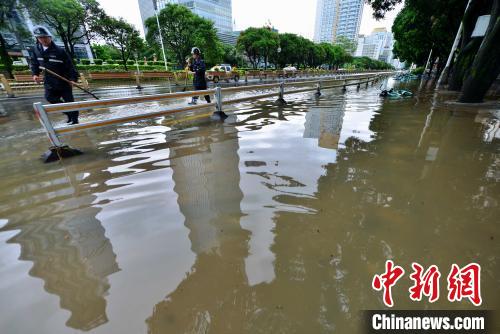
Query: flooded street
{"points": [[274, 221]]}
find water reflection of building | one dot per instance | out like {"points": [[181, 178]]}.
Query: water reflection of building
{"points": [[324, 124], [206, 175], [201, 170], [71, 254]]}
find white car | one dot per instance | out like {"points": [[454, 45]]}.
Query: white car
{"points": [[222, 72]]}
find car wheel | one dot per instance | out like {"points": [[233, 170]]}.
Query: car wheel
{"points": [[236, 78], [216, 79]]}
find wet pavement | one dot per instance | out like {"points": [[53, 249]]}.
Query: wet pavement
{"points": [[274, 221]]}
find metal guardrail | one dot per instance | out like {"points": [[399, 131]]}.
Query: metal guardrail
{"points": [[59, 150]]}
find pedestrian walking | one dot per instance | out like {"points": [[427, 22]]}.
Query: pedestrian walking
{"points": [[47, 54], [197, 66]]}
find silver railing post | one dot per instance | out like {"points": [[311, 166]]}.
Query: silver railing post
{"points": [[218, 114], [47, 125], [218, 98]]}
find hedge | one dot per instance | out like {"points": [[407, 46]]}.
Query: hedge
{"points": [[116, 68], [98, 61], [418, 70], [21, 67], [85, 61]]}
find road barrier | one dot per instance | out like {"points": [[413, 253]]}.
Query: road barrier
{"points": [[59, 150]]}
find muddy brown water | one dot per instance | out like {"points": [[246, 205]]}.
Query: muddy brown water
{"points": [[274, 221]]}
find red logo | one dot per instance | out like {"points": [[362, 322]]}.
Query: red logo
{"points": [[387, 280], [425, 283], [465, 283], [462, 283]]}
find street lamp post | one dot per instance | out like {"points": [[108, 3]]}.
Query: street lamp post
{"points": [[278, 51], [138, 73], [161, 41]]}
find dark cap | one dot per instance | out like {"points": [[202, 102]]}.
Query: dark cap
{"points": [[41, 32]]}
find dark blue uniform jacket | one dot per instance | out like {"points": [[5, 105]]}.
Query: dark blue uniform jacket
{"points": [[199, 68], [56, 60]]}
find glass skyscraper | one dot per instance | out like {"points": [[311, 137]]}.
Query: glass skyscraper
{"points": [[217, 11], [337, 18]]}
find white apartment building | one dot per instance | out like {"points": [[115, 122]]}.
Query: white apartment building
{"points": [[337, 18]]}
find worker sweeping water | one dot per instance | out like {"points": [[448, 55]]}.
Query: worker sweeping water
{"points": [[197, 66], [48, 55]]}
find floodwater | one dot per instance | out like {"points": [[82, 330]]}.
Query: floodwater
{"points": [[274, 221]]}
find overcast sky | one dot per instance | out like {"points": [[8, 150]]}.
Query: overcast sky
{"points": [[295, 16]]}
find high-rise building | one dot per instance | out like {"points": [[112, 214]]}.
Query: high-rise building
{"points": [[337, 18], [378, 45], [17, 42], [217, 11]]}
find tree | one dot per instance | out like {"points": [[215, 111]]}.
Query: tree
{"points": [[181, 30], [74, 21], [232, 56], [469, 46], [370, 64], [267, 44], [290, 50], [259, 44], [476, 66], [486, 65], [411, 33], [336, 55], [6, 7], [247, 43], [123, 36], [106, 51], [347, 44]]}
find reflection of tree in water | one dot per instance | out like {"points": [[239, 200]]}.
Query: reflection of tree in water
{"points": [[71, 254], [384, 200]]}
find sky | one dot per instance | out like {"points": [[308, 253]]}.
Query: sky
{"points": [[294, 16]]}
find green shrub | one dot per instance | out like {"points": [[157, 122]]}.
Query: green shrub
{"points": [[418, 70], [98, 61], [110, 61], [98, 68], [21, 72], [85, 61], [19, 68], [119, 62], [130, 62]]}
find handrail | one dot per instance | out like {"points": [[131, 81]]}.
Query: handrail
{"points": [[295, 91], [53, 133], [243, 88], [95, 124], [85, 105]]}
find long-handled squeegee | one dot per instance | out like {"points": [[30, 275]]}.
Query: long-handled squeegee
{"points": [[68, 81]]}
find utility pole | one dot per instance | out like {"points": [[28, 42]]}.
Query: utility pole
{"points": [[161, 40]]}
